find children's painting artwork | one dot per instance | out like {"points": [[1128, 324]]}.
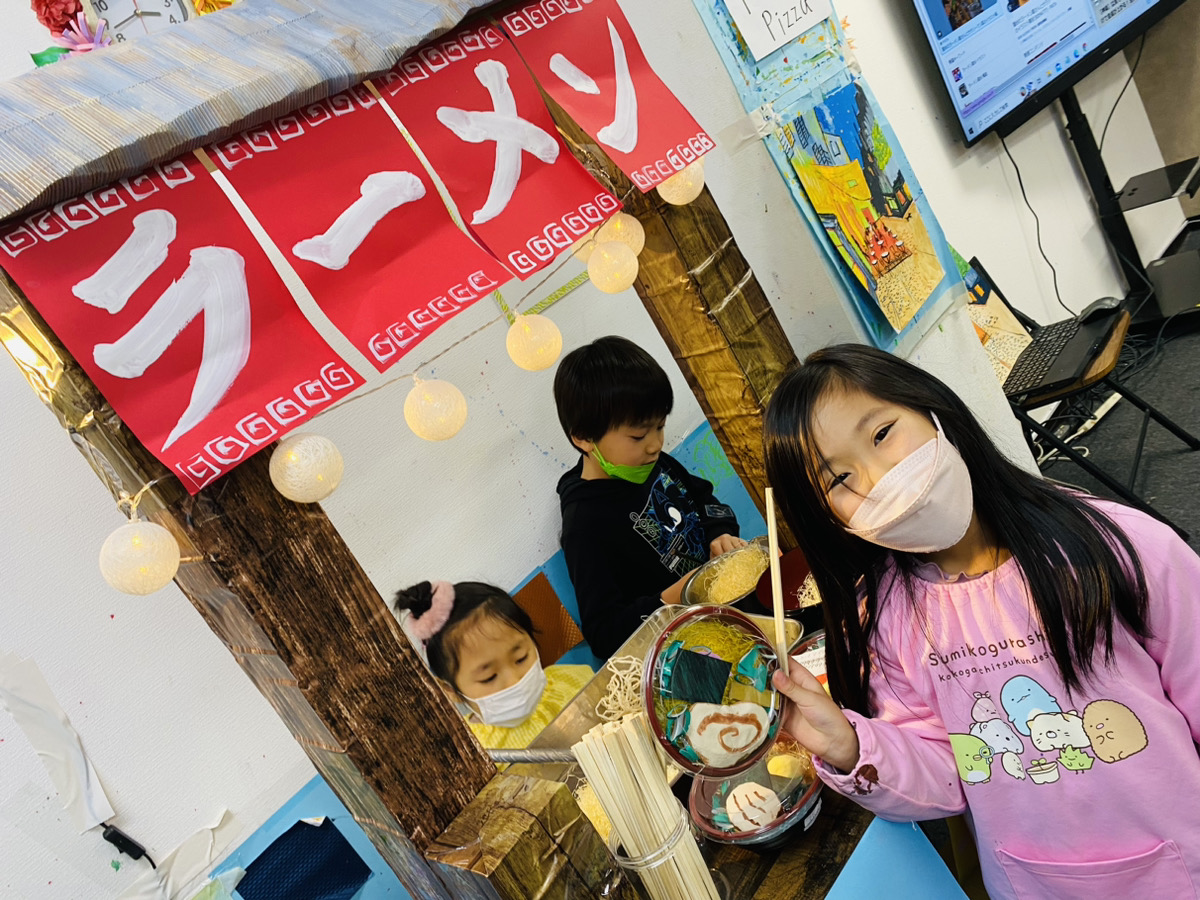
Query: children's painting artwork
{"points": [[848, 175], [1002, 336]]}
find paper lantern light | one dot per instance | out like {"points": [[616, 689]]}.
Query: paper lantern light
{"points": [[582, 248], [435, 410], [306, 468], [139, 558], [624, 228], [534, 342], [613, 267], [685, 185]]}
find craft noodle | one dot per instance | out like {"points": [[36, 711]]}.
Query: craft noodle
{"points": [[735, 576], [807, 594], [624, 694], [626, 772]]}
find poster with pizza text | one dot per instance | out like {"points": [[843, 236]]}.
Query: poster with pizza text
{"points": [[345, 199], [588, 59], [166, 300], [473, 109]]}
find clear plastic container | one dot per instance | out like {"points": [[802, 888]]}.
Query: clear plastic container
{"points": [[759, 806]]}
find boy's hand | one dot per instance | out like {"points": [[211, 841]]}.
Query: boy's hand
{"points": [[813, 719], [723, 544], [674, 594]]}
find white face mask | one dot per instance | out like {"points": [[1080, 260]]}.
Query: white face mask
{"points": [[922, 504], [513, 705]]}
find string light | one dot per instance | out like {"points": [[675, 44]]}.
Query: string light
{"points": [[306, 468], [685, 185], [613, 267], [140, 557], [435, 410], [534, 342], [624, 228], [582, 248]]}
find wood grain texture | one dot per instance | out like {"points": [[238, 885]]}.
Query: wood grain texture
{"points": [[709, 308], [282, 591], [526, 837]]}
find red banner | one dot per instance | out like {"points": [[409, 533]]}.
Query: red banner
{"points": [[468, 101], [588, 59], [352, 209], [164, 297]]}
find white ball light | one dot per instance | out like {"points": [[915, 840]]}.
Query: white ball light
{"points": [[613, 267], [139, 558], [534, 342], [582, 248], [624, 228], [306, 468], [435, 410], [685, 185]]}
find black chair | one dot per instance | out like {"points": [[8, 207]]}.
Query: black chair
{"points": [[1099, 372]]}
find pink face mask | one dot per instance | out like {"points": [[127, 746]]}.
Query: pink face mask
{"points": [[922, 504]]}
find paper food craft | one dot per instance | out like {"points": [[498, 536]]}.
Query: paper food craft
{"points": [[750, 806], [708, 686]]}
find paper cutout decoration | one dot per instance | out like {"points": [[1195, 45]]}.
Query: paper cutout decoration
{"points": [[698, 678], [165, 299], [311, 861], [353, 210], [470, 105], [588, 59]]}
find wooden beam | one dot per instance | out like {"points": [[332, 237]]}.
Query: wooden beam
{"points": [[283, 592], [709, 308]]}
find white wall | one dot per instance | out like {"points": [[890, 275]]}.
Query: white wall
{"points": [[974, 191], [177, 732]]}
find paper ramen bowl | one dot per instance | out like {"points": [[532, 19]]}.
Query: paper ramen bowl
{"points": [[740, 809], [707, 690], [728, 578]]}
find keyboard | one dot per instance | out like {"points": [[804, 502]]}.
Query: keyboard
{"points": [[1036, 359]]}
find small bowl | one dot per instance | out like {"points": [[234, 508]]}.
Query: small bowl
{"points": [[787, 771], [698, 589]]}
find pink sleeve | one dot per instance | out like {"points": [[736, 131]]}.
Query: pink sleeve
{"points": [[1173, 584], [906, 770]]}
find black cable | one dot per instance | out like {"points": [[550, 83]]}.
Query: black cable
{"points": [[1128, 81], [1038, 224]]}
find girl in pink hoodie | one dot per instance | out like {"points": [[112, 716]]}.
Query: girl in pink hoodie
{"points": [[995, 644]]}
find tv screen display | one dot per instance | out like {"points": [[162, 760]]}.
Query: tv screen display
{"points": [[1003, 60]]}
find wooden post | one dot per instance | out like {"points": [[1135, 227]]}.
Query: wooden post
{"points": [[276, 583], [708, 307]]}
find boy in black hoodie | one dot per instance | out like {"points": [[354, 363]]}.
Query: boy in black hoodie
{"points": [[635, 522]]}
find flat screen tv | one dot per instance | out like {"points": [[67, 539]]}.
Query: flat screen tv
{"points": [[1004, 60]]}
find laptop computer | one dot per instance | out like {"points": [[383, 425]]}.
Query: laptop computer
{"points": [[1056, 356]]}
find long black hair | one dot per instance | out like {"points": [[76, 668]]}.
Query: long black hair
{"points": [[1081, 568], [473, 600]]}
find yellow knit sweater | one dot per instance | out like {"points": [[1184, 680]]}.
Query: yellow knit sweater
{"points": [[562, 684]]}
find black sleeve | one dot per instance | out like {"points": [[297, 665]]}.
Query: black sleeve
{"points": [[608, 613], [715, 517]]}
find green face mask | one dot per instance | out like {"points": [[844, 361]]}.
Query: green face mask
{"points": [[635, 474]]}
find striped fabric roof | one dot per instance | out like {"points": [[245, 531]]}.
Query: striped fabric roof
{"points": [[85, 121]]}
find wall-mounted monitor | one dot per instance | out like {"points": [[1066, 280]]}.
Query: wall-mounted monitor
{"points": [[1004, 60]]}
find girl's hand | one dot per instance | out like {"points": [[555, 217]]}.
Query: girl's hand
{"points": [[723, 544], [814, 720]]}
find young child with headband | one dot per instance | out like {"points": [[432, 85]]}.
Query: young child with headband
{"points": [[479, 645]]}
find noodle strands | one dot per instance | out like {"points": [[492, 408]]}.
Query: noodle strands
{"points": [[626, 772]]}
